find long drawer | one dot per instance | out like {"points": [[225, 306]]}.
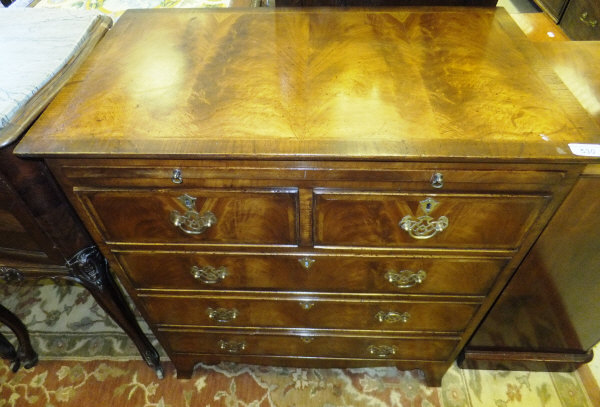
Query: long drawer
{"points": [[415, 220], [307, 345], [196, 216], [320, 312], [184, 174], [310, 272]]}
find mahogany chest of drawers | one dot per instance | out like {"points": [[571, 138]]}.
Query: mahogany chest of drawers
{"points": [[314, 188]]}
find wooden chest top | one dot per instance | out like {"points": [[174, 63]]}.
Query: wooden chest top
{"points": [[410, 84]]}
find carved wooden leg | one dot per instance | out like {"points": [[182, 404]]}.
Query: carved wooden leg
{"points": [[89, 268], [25, 353]]}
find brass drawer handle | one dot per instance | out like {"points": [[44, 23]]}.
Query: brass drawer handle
{"points": [[231, 346], [391, 317], [405, 278], [584, 18], [222, 315], [424, 227], [382, 351], [192, 222], [209, 274]]}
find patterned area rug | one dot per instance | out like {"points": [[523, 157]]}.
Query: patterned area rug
{"points": [[85, 356], [64, 320], [131, 383]]}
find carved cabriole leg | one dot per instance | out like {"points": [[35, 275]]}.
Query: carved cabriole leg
{"points": [[25, 353], [89, 268]]}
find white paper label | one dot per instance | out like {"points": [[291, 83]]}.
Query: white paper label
{"points": [[586, 150]]}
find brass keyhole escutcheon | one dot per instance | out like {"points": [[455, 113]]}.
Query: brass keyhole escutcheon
{"points": [[306, 305], [306, 262]]}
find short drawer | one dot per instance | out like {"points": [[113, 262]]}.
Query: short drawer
{"points": [[310, 272], [309, 312], [260, 343], [413, 220], [195, 216]]}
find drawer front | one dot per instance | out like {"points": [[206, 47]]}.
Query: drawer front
{"points": [[299, 312], [196, 216], [307, 345], [581, 20], [407, 220], [310, 272]]}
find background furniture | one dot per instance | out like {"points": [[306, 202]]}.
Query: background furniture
{"points": [[43, 238], [543, 319], [24, 353], [337, 189], [40, 235], [577, 18]]}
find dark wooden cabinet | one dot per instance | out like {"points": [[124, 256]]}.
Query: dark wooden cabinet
{"points": [[580, 20], [21, 238], [41, 236]]}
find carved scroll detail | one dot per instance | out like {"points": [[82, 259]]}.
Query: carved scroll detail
{"points": [[89, 266], [11, 275]]}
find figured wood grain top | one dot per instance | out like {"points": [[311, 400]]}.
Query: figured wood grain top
{"points": [[577, 63], [415, 83]]}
